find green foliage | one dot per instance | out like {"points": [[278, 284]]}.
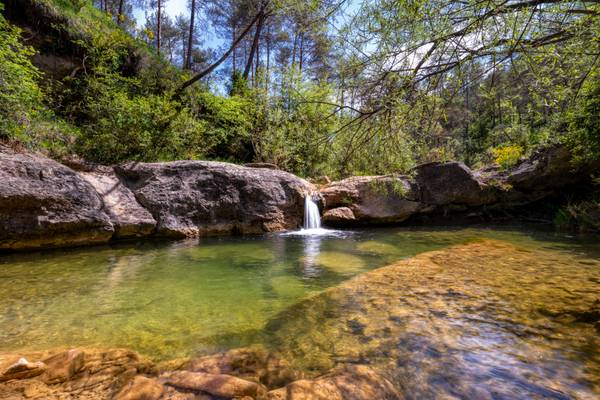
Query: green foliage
{"points": [[23, 115], [136, 127], [584, 123]]}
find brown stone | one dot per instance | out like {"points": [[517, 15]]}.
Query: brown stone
{"points": [[356, 382], [141, 388], [23, 369], [338, 215], [250, 363], [370, 200], [216, 384], [62, 366]]}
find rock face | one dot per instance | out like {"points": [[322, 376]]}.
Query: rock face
{"points": [[195, 198], [128, 217], [449, 187], [45, 204], [370, 199], [451, 183]]}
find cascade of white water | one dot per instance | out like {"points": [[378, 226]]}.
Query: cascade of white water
{"points": [[312, 218]]}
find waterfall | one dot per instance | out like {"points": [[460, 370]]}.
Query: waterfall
{"points": [[312, 218]]}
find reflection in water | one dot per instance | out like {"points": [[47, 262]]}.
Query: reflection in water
{"points": [[502, 322], [312, 246]]}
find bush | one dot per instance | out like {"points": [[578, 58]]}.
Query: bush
{"points": [[583, 135], [135, 127], [507, 156]]}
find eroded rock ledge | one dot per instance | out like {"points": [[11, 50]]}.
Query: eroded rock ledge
{"points": [[450, 187], [47, 204]]}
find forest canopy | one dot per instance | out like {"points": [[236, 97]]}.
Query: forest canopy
{"points": [[316, 87]]}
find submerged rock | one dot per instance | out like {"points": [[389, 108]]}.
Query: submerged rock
{"points": [[195, 198], [462, 322], [353, 382], [249, 363], [46, 204]]}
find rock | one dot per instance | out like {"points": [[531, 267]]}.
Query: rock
{"points": [[453, 183], [542, 174], [23, 369], [63, 366], [261, 165], [339, 216], [215, 384], [46, 204], [196, 198], [128, 217], [141, 388], [356, 382], [250, 363], [369, 199]]}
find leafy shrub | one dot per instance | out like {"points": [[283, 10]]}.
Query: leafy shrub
{"points": [[584, 123], [136, 127], [507, 156]]}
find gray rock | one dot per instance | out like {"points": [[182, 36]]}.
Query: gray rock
{"points": [[451, 183], [128, 217], [197, 198], [45, 204]]}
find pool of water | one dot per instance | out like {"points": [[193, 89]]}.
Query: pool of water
{"points": [[172, 299]]}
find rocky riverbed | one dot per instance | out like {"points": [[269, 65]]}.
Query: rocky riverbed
{"points": [[481, 320]]}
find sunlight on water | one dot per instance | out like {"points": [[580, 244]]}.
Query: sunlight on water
{"points": [[171, 299]]}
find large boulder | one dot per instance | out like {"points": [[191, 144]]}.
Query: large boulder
{"points": [[45, 204], [451, 183], [128, 217], [370, 199], [197, 198]]}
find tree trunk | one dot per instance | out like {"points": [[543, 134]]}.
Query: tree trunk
{"points": [[268, 68], [213, 66], [120, 16], [158, 26], [261, 19], [301, 55], [233, 41], [188, 55]]}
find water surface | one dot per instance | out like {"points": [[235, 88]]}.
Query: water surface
{"points": [[173, 299]]}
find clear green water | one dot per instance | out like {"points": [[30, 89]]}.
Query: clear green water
{"points": [[174, 299]]}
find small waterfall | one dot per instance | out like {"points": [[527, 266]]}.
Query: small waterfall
{"points": [[312, 218]]}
